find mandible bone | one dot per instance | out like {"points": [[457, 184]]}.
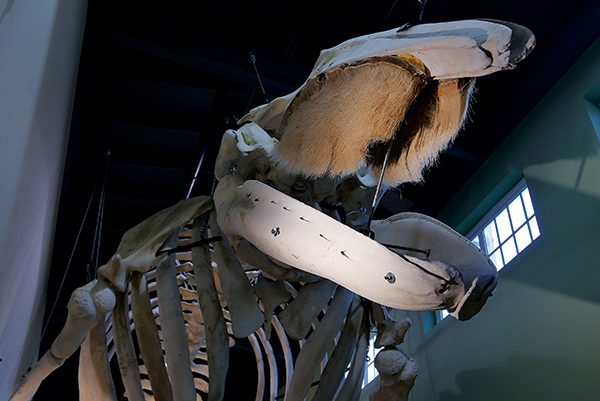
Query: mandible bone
{"points": [[274, 223]]}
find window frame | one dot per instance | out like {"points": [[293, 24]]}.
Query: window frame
{"points": [[491, 215], [499, 207]]}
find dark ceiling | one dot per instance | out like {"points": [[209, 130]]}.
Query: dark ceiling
{"points": [[159, 83]]}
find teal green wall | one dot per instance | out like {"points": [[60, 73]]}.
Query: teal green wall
{"points": [[538, 337]]}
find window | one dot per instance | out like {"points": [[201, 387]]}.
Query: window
{"points": [[508, 228], [370, 371], [430, 318], [505, 230]]}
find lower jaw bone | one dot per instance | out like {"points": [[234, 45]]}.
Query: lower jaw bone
{"points": [[423, 232], [298, 235]]}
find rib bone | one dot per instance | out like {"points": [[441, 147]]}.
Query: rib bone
{"points": [[246, 316], [217, 340], [173, 328], [95, 380], [314, 349], [302, 311], [148, 339], [342, 354], [128, 364]]}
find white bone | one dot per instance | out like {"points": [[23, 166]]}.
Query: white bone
{"points": [[424, 232], [251, 137], [307, 363], [217, 340], [260, 367], [126, 356], [173, 328], [391, 333], [287, 351], [351, 387], [336, 366], [397, 374], [148, 340], [87, 305], [95, 380], [448, 50], [248, 253], [201, 385], [274, 223], [271, 294], [199, 368], [246, 316], [46, 365], [272, 364], [300, 314], [138, 247]]}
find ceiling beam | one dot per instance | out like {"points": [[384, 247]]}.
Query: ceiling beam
{"points": [[465, 155], [194, 60]]}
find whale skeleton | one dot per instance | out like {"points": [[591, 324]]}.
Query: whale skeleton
{"points": [[378, 106]]}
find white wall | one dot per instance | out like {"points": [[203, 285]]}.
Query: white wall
{"points": [[40, 43]]}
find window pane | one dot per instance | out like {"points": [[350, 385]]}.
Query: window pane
{"points": [[371, 373], [503, 223], [512, 229], [527, 201], [517, 214], [490, 236], [509, 250], [535, 231], [371, 353], [523, 238], [496, 257]]}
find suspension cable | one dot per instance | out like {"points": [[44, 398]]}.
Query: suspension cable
{"points": [[95, 254], [102, 204], [253, 59], [388, 15], [70, 259], [367, 230]]}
